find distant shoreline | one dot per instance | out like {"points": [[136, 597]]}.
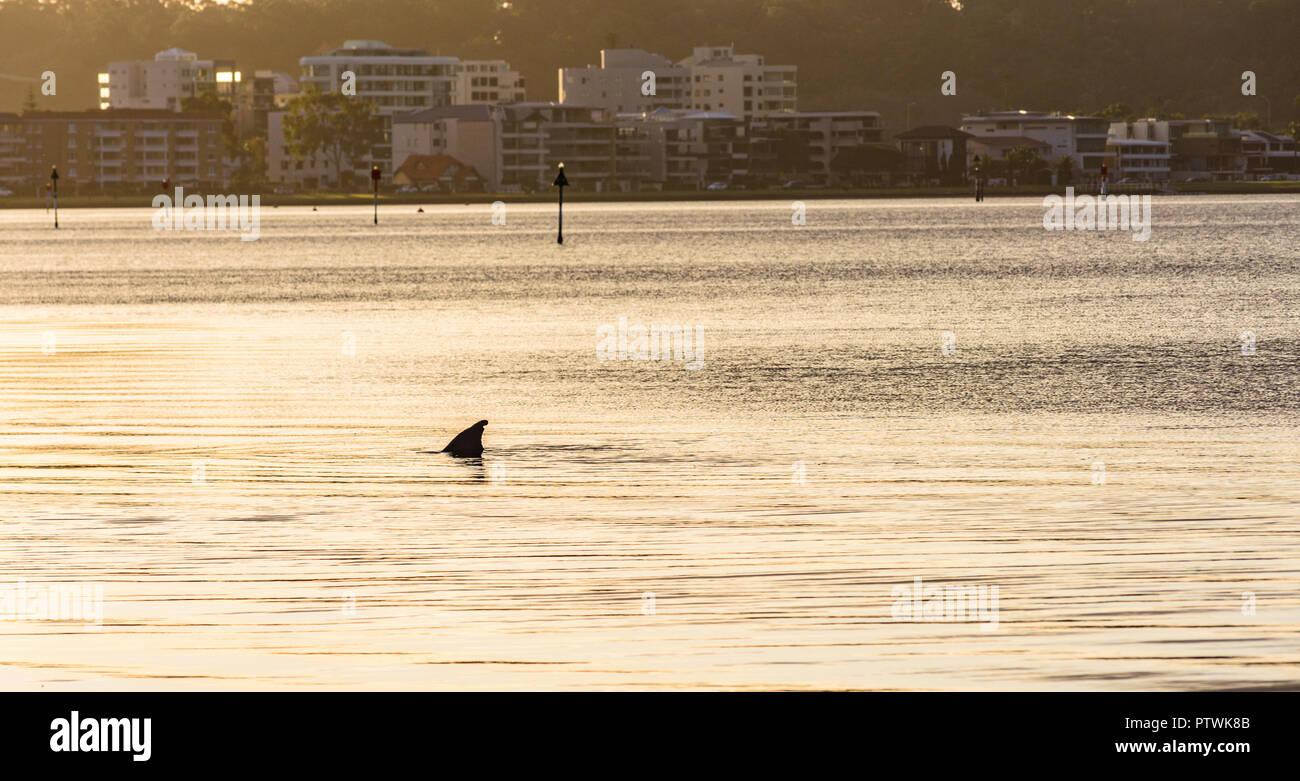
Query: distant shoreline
{"points": [[421, 199]]}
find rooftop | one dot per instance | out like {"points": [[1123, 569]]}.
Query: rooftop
{"points": [[933, 132]]}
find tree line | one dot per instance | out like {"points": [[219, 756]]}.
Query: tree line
{"points": [[1155, 56]]}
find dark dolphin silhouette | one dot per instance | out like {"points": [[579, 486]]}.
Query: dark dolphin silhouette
{"points": [[468, 443]]}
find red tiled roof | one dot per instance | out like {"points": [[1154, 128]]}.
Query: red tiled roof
{"points": [[431, 168]]}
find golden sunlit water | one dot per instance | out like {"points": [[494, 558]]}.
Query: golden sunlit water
{"points": [[232, 439]]}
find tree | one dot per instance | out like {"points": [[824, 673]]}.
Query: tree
{"points": [[208, 102], [864, 160], [342, 128], [1117, 111], [1023, 161], [1065, 170], [251, 173]]}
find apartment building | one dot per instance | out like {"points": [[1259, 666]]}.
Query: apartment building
{"points": [[1054, 136], [164, 82], [469, 134], [488, 82], [395, 80], [934, 154], [266, 91], [1267, 153], [679, 150], [13, 152], [1135, 159], [124, 149], [617, 85], [516, 146], [1200, 149], [712, 79], [740, 84], [310, 172], [818, 136]]}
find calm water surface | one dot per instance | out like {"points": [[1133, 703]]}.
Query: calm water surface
{"points": [[228, 436]]}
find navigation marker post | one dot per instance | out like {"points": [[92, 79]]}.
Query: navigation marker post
{"points": [[54, 187], [374, 177], [561, 182]]}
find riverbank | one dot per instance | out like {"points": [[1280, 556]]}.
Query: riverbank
{"points": [[388, 199]]}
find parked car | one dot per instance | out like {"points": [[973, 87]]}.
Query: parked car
{"points": [[284, 191], [717, 186], [5, 192], [793, 184], [1271, 178], [407, 188], [1129, 180], [1198, 179]]}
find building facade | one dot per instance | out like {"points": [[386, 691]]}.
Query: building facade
{"points": [[164, 82], [1083, 139], [394, 80], [934, 153], [488, 82], [711, 79], [1200, 149], [14, 167], [619, 84], [740, 84], [815, 137], [516, 147], [124, 150]]}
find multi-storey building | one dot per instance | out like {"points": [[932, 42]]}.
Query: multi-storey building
{"points": [[712, 78], [260, 95], [394, 80], [515, 146], [818, 137], [620, 83], [1137, 159], [684, 150], [1083, 139], [934, 153], [488, 81], [13, 152], [740, 84], [1200, 149], [124, 149], [311, 172], [467, 133], [166, 81], [1267, 153]]}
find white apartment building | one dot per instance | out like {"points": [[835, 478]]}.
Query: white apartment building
{"points": [[740, 84], [394, 80], [712, 78], [164, 82], [616, 84], [487, 82], [1059, 135]]}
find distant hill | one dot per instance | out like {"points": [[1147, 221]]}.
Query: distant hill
{"points": [[1080, 55]]}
